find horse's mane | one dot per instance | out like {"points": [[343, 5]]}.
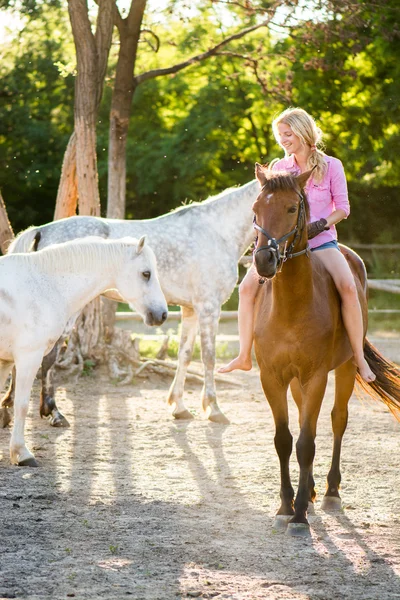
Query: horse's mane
{"points": [[210, 200], [283, 181], [86, 252]]}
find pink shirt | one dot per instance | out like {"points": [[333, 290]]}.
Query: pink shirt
{"points": [[324, 197]]}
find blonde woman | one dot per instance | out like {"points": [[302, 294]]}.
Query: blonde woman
{"points": [[297, 133]]}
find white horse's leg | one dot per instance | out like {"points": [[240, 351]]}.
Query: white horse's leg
{"points": [[26, 372], [208, 330], [188, 335], [5, 368]]}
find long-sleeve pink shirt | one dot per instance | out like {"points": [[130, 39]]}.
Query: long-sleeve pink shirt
{"points": [[324, 197]]}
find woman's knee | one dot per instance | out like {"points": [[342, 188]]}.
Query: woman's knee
{"points": [[347, 288], [248, 288]]}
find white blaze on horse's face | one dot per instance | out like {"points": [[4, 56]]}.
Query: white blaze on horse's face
{"points": [[139, 284]]}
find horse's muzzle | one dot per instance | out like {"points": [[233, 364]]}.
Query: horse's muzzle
{"points": [[266, 262], [156, 316]]}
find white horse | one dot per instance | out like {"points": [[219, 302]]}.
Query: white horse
{"points": [[41, 292], [197, 249]]}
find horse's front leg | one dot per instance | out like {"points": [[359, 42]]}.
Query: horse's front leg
{"points": [[208, 320], [48, 407], [277, 398], [297, 394], [26, 369], [305, 449], [188, 335], [345, 376]]}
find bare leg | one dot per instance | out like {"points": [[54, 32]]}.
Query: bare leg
{"points": [[247, 294], [188, 334], [340, 271]]}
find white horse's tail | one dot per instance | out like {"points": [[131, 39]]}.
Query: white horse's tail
{"points": [[26, 241]]}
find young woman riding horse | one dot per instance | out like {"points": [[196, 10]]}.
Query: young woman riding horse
{"points": [[300, 336], [297, 133]]}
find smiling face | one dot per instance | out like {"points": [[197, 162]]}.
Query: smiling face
{"points": [[291, 143]]}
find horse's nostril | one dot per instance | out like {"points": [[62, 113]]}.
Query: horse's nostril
{"points": [[164, 316]]}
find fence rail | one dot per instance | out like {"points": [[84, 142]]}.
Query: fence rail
{"points": [[386, 285]]}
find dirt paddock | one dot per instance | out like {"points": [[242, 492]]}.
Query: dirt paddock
{"points": [[127, 503]]}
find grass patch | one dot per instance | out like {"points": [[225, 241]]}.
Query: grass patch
{"points": [[149, 349]]}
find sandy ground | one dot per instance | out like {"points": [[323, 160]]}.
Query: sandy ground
{"points": [[127, 503]]}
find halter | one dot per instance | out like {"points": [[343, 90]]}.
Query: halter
{"points": [[273, 244]]}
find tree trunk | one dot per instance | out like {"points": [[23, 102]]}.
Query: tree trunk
{"points": [[6, 231], [124, 88], [67, 195], [79, 178]]}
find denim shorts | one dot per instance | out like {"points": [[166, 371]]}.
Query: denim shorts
{"points": [[331, 244]]}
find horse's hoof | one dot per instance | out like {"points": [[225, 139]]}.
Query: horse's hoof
{"points": [[58, 420], [5, 417], [281, 522], [331, 504], [28, 462], [183, 415], [298, 530]]}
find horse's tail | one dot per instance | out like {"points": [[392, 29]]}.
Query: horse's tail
{"points": [[386, 386], [26, 241]]}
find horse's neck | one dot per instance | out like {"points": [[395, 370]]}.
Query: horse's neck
{"points": [[81, 274], [292, 288], [229, 214], [234, 218]]}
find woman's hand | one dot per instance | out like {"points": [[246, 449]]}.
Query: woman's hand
{"points": [[315, 228]]}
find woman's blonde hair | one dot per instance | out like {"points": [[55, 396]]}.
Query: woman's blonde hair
{"points": [[304, 126]]}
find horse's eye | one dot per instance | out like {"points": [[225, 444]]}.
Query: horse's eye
{"points": [[146, 275], [292, 209]]}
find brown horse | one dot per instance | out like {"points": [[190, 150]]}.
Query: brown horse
{"points": [[300, 337]]}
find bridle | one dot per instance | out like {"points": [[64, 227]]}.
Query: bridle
{"points": [[274, 244]]}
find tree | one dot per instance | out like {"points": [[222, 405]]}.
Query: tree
{"points": [[80, 161], [127, 82]]}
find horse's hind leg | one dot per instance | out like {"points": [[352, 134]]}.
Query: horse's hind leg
{"points": [[208, 331], [48, 407], [5, 416], [345, 377], [295, 388], [188, 334], [8, 398]]}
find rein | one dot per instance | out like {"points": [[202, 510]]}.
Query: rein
{"points": [[274, 244]]}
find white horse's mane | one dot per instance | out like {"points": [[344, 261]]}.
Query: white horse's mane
{"points": [[82, 252]]}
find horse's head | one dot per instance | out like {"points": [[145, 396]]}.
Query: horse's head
{"points": [[281, 213], [138, 282]]}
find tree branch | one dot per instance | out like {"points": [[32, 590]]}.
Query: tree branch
{"points": [[199, 57]]}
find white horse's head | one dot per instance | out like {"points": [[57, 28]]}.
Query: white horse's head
{"points": [[138, 283]]}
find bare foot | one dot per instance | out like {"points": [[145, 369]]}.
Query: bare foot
{"points": [[366, 372], [244, 364]]}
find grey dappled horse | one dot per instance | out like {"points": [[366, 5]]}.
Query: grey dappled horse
{"points": [[197, 249]]}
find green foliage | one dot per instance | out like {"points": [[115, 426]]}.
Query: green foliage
{"points": [[35, 119], [197, 132]]}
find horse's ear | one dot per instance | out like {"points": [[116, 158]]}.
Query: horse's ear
{"points": [[304, 177], [260, 174], [140, 245]]}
